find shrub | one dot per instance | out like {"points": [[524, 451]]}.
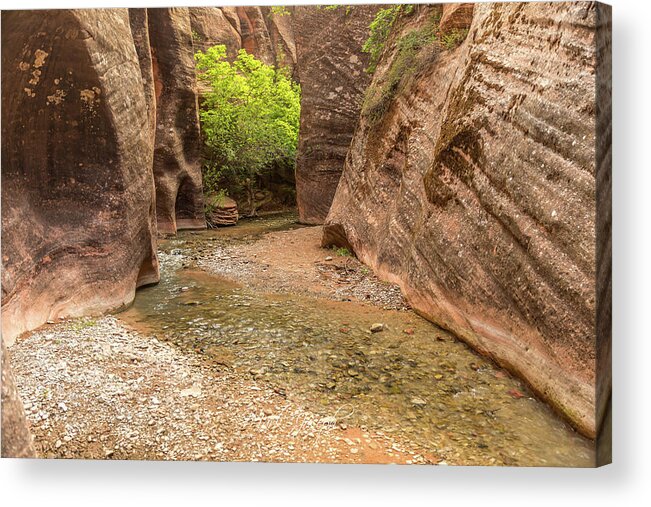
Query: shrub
{"points": [[453, 38], [380, 28], [343, 252], [249, 119], [280, 10], [407, 58]]}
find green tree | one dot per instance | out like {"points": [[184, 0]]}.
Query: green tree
{"points": [[249, 118]]}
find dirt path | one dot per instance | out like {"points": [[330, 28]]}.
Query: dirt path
{"points": [[293, 261]]}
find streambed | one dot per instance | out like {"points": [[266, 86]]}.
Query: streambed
{"points": [[411, 380]]}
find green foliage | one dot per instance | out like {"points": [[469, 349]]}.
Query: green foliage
{"points": [[453, 38], [408, 57], [249, 119], [280, 10], [348, 8], [380, 28], [342, 251], [195, 36], [378, 99]]}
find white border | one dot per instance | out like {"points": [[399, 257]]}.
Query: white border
{"points": [[626, 482]]}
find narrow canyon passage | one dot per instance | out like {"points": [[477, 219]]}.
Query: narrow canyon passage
{"points": [[257, 344]]}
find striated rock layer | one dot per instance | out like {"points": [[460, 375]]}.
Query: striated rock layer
{"points": [[475, 191], [331, 72], [78, 231], [177, 164], [223, 211]]}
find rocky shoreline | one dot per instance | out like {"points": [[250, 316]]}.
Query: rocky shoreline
{"points": [[94, 389]]}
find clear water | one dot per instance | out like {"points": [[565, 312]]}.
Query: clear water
{"points": [[424, 387]]}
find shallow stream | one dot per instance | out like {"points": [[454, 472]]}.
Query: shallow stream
{"points": [[412, 380]]}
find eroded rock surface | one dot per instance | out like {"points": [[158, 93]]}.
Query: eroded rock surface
{"points": [[331, 72], [267, 35], [475, 191], [223, 211], [78, 231], [456, 16], [177, 164]]}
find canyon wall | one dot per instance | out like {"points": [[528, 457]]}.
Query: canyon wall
{"points": [[177, 150], [267, 35], [78, 228], [331, 67], [470, 181]]}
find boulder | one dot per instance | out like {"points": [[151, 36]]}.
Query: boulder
{"points": [[78, 231], [223, 211], [331, 72], [475, 191], [177, 163]]}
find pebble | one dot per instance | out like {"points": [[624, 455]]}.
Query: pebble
{"points": [[419, 402], [377, 327]]}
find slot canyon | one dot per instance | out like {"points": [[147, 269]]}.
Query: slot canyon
{"points": [[430, 284]]}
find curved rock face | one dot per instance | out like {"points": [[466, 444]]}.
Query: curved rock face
{"points": [[78, 231], [177, 164], [331, 72], [264, 34], [211, 26], [475, 191]]}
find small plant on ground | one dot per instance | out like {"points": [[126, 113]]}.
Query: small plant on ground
{"points": [[343, 251], [81, 324]]}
